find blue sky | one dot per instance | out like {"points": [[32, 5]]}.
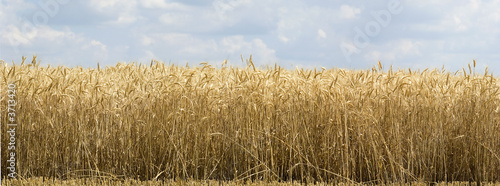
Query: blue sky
{"points": [[346, 34]]}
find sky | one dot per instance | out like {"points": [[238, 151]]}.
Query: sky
{"points": [[290, 33]]}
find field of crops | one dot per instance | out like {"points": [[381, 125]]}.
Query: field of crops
{"points": [[163, 122], [133, 182]]}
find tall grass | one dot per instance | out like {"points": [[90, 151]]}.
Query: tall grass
{"points": [[331, 125]]}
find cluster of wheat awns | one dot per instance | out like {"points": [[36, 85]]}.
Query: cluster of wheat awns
{"points": [[161, 122]]}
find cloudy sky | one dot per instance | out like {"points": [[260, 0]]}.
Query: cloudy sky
{"points": [[347, 34]]}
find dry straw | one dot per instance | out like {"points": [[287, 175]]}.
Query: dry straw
{"points": [[163, 122]]}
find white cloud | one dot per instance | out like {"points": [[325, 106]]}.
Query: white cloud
{"points": [[459, 25], [146, 41], [283, 39], [178, 38], [406, 47], [173, 18], [182, 46], [300, 31], [291, 23], [13, 36], [125, 19], [475, 4], [321, 33], [44, 39], [162, 4], [192, 19], [460, 16], [124, 12], [349, 12], [148, 55], [100, 5], [237, 45], [264, 55], [154, 3], [16, 37], [223, 8], [234, 44], [98, 44], [394, 51], [375, 55]]}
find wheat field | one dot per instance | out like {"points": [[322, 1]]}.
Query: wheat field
{"points": [[159, 122]]}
